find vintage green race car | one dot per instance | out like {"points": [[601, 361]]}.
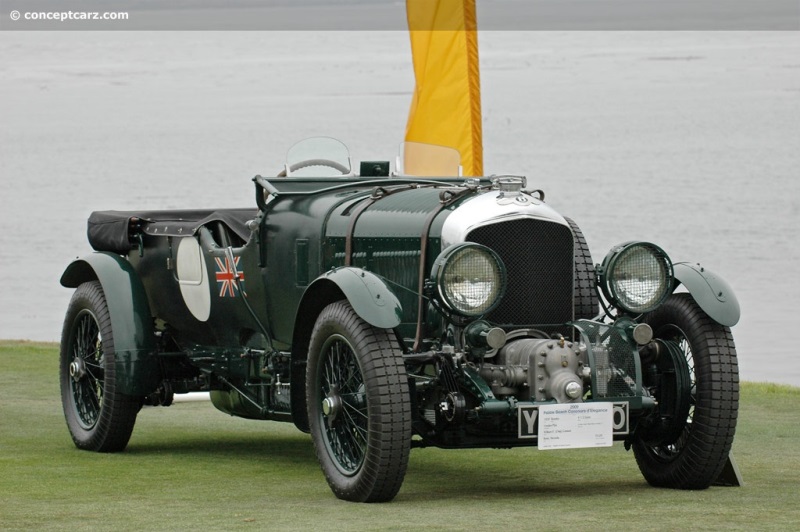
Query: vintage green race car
{"points": [[384, 311]]}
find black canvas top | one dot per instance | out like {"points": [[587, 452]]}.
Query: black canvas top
{"points": [[109, 230]]}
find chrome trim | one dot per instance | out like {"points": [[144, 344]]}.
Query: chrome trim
{"points": [[484, 209]]}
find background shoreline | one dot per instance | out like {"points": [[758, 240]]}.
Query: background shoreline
{"points": [[686, 139]]}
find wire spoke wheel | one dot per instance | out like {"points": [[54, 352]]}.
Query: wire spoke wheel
{"points": [[86, 370], [98, 417], [345, 408], [698, 388], [359, 409]]}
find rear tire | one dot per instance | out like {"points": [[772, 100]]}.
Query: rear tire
{"points": [[359, 408], [694, 458], [99, 418]]}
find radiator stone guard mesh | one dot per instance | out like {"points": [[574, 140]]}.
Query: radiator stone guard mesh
{"points": [[539, 259], [614, 359]]}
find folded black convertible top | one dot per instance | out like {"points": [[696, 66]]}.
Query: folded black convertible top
{"points": [[110, 230]]}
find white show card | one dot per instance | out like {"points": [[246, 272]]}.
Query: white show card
{"points": [[576, 425]]}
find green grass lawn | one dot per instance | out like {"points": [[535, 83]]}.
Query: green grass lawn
{"points": [[191, 467]]}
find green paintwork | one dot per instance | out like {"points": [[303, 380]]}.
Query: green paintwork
{"points": [[294, 249], [387, 241], [398, 215], [714, 295], [476, 333], [303, 233], [369, 295], [232, 403], [134, 346], [249, 345]]}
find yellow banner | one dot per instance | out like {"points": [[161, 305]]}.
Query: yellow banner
{"points": [[446, 106]]}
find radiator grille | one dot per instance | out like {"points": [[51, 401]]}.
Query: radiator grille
{"points": [[539, 258]]}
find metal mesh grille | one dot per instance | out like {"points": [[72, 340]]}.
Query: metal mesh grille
{"points": [[614, 359], [538, 256]]}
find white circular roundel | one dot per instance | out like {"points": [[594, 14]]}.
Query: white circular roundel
{"points": [[193, 278]]}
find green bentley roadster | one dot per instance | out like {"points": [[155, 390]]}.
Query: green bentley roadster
{"points": [[381, 310]]}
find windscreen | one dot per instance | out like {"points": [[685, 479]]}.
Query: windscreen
{"points": [[318, 157]]}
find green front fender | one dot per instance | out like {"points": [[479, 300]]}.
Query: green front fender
{"points": [[370, 298], [131, 321], [368, 294], [714, 295]]}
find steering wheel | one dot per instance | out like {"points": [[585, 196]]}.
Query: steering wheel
{"points": [[316, 162]]}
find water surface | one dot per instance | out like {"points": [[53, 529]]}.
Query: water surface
{"points": [[689, 140]]}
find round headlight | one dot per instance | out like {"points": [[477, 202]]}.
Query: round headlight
{"points": [[636, 276], [470, 278]]}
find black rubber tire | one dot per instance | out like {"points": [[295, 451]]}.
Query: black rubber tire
{"points": [[98, 417], [698, 455], [363, 441], [586, 301]]}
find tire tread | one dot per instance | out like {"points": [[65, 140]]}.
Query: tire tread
{"points": [[382, 473], [114, 426], [713, 427]]}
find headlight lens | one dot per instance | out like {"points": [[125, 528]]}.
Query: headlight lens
{"points": [[636, 276], [470, 279]]}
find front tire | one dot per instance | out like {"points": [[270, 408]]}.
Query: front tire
{"points": [[359, 409], [694, 454], [99, 417]]}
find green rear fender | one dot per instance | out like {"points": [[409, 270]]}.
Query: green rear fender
{"points": [[131, 321], [714, 295]]}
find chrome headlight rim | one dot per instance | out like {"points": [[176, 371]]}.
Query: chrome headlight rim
{"points": [[449, 258], [610, 277]]}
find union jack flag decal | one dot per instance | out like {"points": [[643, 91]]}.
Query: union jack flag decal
{"points": [[228, 287]]}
